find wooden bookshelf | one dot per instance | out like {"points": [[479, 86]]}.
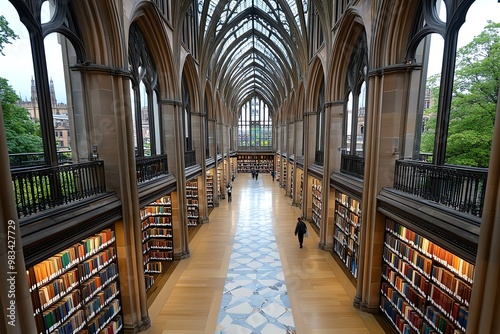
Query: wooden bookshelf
{"points": [[210, 189], [77, 290], [283, 179], [301, 189], [291, 179], [316, 202], [347, 230], [157, 238], [278, 170], [192, 202], [261, 163], [425, 288]]}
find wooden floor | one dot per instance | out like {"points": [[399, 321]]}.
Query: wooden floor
{"points": [[320, 293]]}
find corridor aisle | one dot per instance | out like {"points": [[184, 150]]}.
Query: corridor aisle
{"points": [[319, 293]]}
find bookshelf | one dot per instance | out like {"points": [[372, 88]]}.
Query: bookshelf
{"points": [[283, 179], [278, 170], [261, 163], [291, 180], [210, 189], [425, 288], [301, 189], [77, 290], [157, 238], [347, 230], [192, 202], [316, 202]]}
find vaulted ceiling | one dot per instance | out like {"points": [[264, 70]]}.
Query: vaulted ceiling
{"points": [[251, 47]]}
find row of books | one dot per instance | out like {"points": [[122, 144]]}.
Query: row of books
{"points": [[448, 306], [348, 215], [58, 287], [101, 300], [155, 210], [348, 202], [405, 290], [407, 268], [104, 317], [56, 265], [348, 256], [96, 263], [158, 255], [150, 280], [96, 283], [409, 314], [60, 312], [440, 323], [192, 184], [412, 276], [409, 254], [165, 200], [346, 227], [395, 317], [452, 284], [157, 232], [73, 324], [155, 267], [157, 221], [113, 327], [456, 264]]}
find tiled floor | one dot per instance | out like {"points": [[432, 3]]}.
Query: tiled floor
{"points": [[255, 298], [246, 272]]}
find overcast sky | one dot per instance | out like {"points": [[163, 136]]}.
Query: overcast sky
{"points": [[17, 64]]}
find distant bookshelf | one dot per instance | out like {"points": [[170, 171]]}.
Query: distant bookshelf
{"points": [[77, 290], [210, 189], [347, 230], [260, 163], [317, 198], [157, 238], [425, 288], [192, 202]]}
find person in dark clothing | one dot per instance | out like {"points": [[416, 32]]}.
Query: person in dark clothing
{"points": [[272, 174], [300, 230], [229, 189]]}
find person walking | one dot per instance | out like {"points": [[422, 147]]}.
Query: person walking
{"points": [[229, 189], [272, 174], [300, 230]]}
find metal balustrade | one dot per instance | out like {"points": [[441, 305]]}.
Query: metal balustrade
{"points": [[149, 168], [460, 188], [352, 164], [44, 188]]}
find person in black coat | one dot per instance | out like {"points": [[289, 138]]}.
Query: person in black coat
{"points": [[300, 230]]}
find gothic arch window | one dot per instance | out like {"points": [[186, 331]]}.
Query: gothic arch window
{"points": [[320, 126], [454, 88], [255, 127], [47, 104], [186, 119], [146, 112], [355, 107]]}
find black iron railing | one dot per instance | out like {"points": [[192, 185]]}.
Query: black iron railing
{"points": [[45, 188], [352, 164], [319, 158], [21, 160], [190, 158], [149, 168], [460, 188]]}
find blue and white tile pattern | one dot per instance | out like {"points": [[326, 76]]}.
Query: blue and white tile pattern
{"points": [[255, 299]]}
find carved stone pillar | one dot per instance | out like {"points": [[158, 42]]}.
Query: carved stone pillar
{"points": [[484, 310], [15, 300]]}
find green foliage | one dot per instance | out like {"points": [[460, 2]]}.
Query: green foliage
{"points": [[23, 135], [473, 106], [6, 34]]}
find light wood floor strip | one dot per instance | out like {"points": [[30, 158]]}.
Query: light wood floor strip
{"points": [[320, 293]]}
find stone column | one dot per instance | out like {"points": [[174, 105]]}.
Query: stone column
{"points": [[108, 108], [484, 310], [173, 137], [15, 300]]}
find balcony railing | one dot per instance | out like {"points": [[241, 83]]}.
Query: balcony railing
{"points": [[47, 187], [460, 188], [149, 168], [352, 164], [190, 158], [319, 158], [21, 160]]}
